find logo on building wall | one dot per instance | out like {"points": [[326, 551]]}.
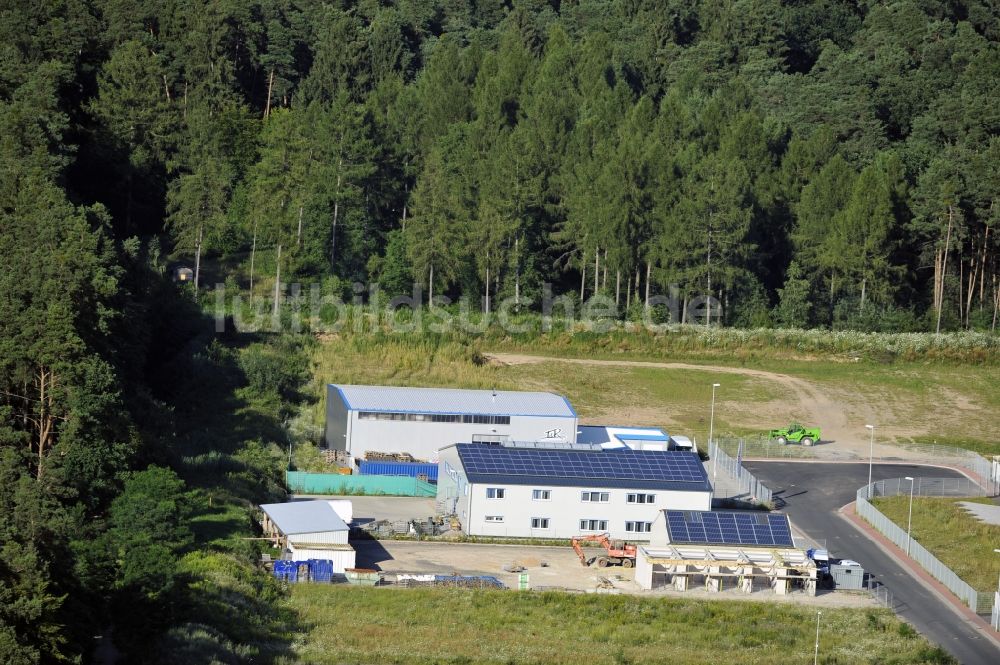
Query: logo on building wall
{"points": [[553, 433]]}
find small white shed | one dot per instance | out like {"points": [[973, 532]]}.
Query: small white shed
{"points": [[309, 530], [304, 522]]}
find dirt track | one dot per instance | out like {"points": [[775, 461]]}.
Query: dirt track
{"points": [[815, 405]]}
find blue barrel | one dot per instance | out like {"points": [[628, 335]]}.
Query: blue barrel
{"points": [[320, 570], [286, 570], [411, 469]]}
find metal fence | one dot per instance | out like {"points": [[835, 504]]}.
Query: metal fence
{"points": [[743, 483], [881, 593], [764, 448], [301, 482], [987, 472], [979, 603], [954, 487]]}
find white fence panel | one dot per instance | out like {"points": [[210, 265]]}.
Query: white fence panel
{"points": [[917, 552], [744, 483]]}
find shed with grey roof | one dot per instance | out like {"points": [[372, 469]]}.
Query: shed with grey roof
{"points": [[421, 421], [306, 530], [304, 522]]}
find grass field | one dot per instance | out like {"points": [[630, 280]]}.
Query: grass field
{"points": [[349, 625], [960, 541], [946, 402]]}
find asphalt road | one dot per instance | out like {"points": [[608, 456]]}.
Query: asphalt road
{"points": [[814, 492]]}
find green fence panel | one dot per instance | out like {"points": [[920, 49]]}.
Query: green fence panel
{"points": [[301, 482]]}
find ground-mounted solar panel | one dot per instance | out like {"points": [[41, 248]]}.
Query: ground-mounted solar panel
{"points": [[657, 466], [746, 529]]}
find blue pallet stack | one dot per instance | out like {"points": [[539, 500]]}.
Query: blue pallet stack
{"points": [[320, 570]]}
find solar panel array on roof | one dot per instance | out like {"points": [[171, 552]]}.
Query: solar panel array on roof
{"points": [[618, 465], [728, 528], [454, 401]]}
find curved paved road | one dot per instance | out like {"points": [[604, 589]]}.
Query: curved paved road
{"points": [[813, 492]]}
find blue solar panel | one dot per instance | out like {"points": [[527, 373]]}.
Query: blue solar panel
{"points": [[647, 465], [728, 528]]}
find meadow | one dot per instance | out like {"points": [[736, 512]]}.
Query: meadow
{"points": [[938, 395], [349, 624]]}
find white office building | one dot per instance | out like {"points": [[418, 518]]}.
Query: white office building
{"points": [[421, 421], [533, 491]]}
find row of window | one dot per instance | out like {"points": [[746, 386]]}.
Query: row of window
{"points": [[585, 525], [468, 418], [586, 496]]}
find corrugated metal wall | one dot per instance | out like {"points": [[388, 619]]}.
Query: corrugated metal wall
{"points": [[411, 469], [326, 537], [300, 482]]}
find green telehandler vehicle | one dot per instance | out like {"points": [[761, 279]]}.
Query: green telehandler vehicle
{"points": [[795, 433]]}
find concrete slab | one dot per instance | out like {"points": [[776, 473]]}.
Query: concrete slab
{"points": [[986, 513], [392, 508]]}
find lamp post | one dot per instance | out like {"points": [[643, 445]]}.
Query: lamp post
{"points": [[909, 518], [996, 626], [711, 431], [816, 653], [871, 450]]}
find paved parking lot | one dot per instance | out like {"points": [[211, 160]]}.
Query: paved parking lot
{"points": [[392, 508]]}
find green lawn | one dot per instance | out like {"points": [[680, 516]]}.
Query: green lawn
{"points": [[354, 625], [959, 540]]}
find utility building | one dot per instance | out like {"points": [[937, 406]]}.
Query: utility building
{"points": [[420, 421], [531, 490]]}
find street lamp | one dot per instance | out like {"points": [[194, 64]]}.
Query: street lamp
{"points": [[871, 449], [711, 430], [909, 518], [816, 653], [996, 626]]}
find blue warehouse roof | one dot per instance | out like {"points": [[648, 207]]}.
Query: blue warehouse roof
{"points": [[297, 517], [454, 401], [614, 469]]}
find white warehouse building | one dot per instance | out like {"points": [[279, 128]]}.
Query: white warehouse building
{"points": [[421, 421], [522, 491]]}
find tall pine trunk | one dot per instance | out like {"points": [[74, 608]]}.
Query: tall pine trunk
{"points": [[944, 270], [648, 270], [45, 382], [517, 276], [336, 213], [597, 269], [583, 278], [298, 234], [277, 283], [253, 256], [604, 280], [270, 87], [197, 261]]}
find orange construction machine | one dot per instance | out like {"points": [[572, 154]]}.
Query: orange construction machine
{"points": [[615, 551]]}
